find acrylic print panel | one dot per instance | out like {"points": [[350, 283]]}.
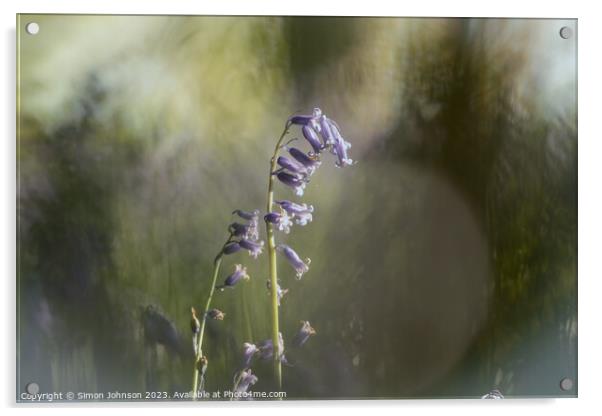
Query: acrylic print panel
{"points": [[176, 174]]}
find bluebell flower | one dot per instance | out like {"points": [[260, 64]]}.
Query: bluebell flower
{"points": [[249, 231], [280, 219], [312, 138], [216, 314], [231, 248], [254, 248], [245, 380], [266, 348], [279, 291], [302, 213], [311, 162], [292, 165], [248, 352], [239, 273], [239, 230], [326, 131], [340, 147], [304, 333], [294, 260], [303, 120], [292, 181]]}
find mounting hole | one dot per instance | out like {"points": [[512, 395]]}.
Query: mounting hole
{"points": [[32, 388], [32, 28], [566, 32], [566, 384]]}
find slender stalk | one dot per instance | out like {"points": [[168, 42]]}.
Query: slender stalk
{"points": [[203, 318], [273, 264]]}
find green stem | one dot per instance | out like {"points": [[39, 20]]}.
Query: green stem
{"points": [[273, 265], [216, 266]]}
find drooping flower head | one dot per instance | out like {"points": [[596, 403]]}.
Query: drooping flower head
{"points": [[326, 131], [293, 166], [239, 230], [246, 380], [248, 352], [240, 272], [231, 248], [311, 120], [253, 247], [340, 148], [266, 348], [280, 219], [249, 231], [302, 213], [312, 138], [294, 260], [309, 161], [293, 181], [216, 314], [304, 333], [318, 126]]}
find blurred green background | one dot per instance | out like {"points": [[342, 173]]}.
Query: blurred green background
{"points": [[443, 264]]}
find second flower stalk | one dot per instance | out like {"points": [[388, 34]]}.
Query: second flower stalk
{"points": [[322, 134]]}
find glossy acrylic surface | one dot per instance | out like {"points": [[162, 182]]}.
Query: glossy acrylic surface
{"points": [[444, 263]]}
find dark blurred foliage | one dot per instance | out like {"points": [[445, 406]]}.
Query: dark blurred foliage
{"points": [[444, 263]]}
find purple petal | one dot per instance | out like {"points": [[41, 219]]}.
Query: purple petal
{"points": [[300, 120], [231, 248], [300, 212], [312, 138], [306, 119], [253, 247], [266, 348], [239, 273], [246, 380], [281, 220], [292, 181], [249, 351], [304, 159], [238, 229], [326, 131], [340, 148], [291, 165], [294, 260], [304, 333]]}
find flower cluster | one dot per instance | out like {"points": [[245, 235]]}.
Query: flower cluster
{"points": [[322, 134], [245, 379], [294, 170], [304, 333], [245, 236], [264, 350]]}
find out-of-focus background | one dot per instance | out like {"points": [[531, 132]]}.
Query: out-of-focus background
{"points": [[443, 262]]}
